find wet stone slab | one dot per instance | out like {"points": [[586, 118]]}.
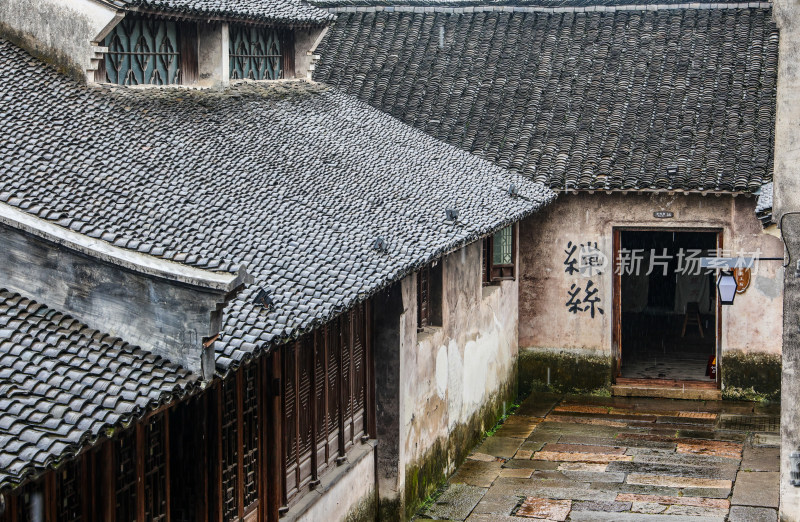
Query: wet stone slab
{"points": [[757, 489], [752, 514], [761, 459], [584, 448], [504, 447], [677, 482], [599, 516], [518, 427], [712, 471], [595, 458], [598, 505], [477, 473], [544, 508], [495, 505], [531, 464], [456, 502]]}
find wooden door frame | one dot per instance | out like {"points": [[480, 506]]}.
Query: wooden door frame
{"points": [[616, 314]]}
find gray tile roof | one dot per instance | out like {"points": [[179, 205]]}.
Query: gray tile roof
{"points": [[63, 385], [612, 99], [508, 5], [291, 179], [274, 11]]}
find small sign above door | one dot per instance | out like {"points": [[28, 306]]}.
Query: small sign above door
{"points": [[663, 214]]}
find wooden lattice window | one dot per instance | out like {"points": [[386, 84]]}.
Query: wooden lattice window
{"points": [[255, 53], [423, 296], [230, 450], [68, 483], [499, 255], [148, 51], [324, 398], [429, 296], [125, 478], [156, 503]]}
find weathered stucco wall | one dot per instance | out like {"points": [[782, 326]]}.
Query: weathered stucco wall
{"points": [[457, 377], [549, 329], [58, 31], [787, 200]]}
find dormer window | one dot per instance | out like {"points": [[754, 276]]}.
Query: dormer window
{"points": [[147, 51], [256, 53]]}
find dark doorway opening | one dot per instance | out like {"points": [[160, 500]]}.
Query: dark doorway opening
{"points": [[668, 305]]}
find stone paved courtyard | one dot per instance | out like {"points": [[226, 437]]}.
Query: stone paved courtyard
{"points": [[598, 458]]}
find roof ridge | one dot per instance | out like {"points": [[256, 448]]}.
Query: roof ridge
{"points": [[526, 6]]}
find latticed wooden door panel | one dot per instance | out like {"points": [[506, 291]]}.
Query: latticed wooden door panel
{"points": [[334, 346], [324, 456], [155, 469], [289, 421], [359, 371], [68, 482], [305, 444], [125, 476], [230, 450], [250, 419]]}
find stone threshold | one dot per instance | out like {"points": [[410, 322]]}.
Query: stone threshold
{"points": [[667, 389]]}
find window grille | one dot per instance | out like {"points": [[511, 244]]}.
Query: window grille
{"points": [[230, 451], [502, 242], [155, 470], [423, 296], [125, 476], [255, 53], [68, 501], [143, 51], [499, 255]]}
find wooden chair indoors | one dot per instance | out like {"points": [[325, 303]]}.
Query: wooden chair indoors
{"points": [[692, 317]]}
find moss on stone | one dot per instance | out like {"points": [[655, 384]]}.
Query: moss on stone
{"points": [[428, 473], [569, 373], [751, 376], [366, 510]]}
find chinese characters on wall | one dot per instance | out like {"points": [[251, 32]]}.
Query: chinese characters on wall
{"points": [[587, 261]]}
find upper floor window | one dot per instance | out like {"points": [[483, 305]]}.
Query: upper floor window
{"points": [[255, 53], [499, 255], [429, 296], [145, 51]]}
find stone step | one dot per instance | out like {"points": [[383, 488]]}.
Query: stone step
{"points": [[667, 392]]}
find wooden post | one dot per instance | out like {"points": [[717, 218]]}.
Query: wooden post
{"points": [[370, 406], [275, 457]]}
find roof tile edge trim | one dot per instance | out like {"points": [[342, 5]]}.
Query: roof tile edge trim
{"points": [[449, 9], [126, 258]]}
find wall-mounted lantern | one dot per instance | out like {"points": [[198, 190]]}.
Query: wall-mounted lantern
{"points": [[726, 285], [794, 470]]}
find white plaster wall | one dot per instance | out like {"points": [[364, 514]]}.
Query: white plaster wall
{"points": [[453, 370], [752, 324], [63, 27]]}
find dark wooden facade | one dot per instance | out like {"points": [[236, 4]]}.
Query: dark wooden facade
{"points": [[247, 448]]}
